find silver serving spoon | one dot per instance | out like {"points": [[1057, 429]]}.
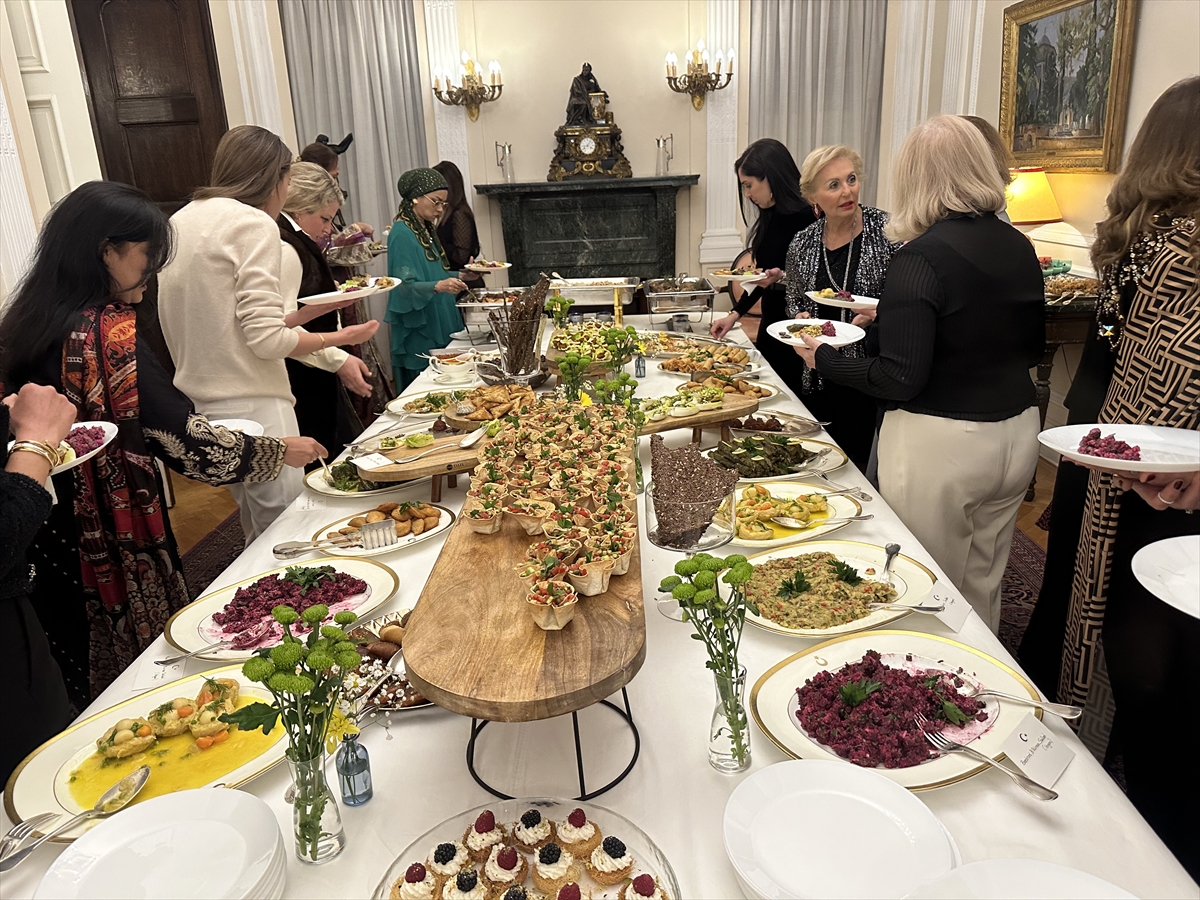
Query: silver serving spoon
{"points": [[113, 800], [469, 441], [892, 550], [930, 608], [789, 522]]}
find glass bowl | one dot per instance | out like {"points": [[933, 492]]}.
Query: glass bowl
{"points": [[696, 526]]}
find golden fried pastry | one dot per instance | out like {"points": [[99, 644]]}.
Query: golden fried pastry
{"points": [[171, 718], [127, 737]]}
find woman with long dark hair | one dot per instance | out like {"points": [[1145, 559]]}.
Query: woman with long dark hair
{"points": [[108, 571], [456, 226], [768, 178]]}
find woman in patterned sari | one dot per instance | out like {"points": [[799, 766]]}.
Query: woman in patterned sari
{"points": [[107, 569]]}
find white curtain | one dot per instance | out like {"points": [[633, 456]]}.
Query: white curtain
{"points": [[353, 68], [816, 76]]}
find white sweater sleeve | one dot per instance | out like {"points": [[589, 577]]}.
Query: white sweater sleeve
{"points": [[291, 273], [260, 311]]}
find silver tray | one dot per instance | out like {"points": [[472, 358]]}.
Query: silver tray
{"points": [[475, 309], [680, 294], [596, 291]]}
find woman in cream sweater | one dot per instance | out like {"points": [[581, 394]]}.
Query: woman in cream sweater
{"points": [[222, 311]]}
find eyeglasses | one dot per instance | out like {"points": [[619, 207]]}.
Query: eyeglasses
{"points": [[439, 204]]}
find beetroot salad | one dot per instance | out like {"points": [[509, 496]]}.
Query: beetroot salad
{"points": [[299, 587], [865, 711], [1107, 447], [86, 438]]}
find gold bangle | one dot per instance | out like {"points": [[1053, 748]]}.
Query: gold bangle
{"points": [[322, 337], [41, 448]]}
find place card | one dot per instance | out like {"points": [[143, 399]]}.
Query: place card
{"points": [[954, 616], [1036, 752], [310, 501], [151, 675], [372, 461]]}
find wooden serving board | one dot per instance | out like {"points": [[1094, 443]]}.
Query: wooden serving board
{"points": [[736, 406], [472, 648], [444, 462]]}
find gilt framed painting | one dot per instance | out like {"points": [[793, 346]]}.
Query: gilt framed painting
{"points": [[1064, 89]]}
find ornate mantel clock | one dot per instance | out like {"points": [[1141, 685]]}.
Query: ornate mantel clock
{"points": [[590, 143]]}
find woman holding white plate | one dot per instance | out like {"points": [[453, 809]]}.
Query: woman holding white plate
{"points": [[961, 322]]}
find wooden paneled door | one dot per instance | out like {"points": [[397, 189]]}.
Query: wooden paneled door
{"points": [[150, 67]]}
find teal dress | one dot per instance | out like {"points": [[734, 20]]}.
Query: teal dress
{"points": [[420, 318]]}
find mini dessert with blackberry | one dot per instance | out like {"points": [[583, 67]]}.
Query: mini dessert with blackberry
{"points": [[532, 832], [418, 883], [485, 834], [578, 835], [445, 861], [643, 887], [505, 867], [554, 868], [466, 885], [610, 862], [519, 892]]}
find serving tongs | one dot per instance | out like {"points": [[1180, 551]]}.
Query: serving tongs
{"points": [[371, 536]]}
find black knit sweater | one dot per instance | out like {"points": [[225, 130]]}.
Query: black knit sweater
{"points": [[24, 506]]}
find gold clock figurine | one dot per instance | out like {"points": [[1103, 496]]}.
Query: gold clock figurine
{"points": [[589, 143]]}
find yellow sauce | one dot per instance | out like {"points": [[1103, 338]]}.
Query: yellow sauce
{"points": [[176, 763], [813, 520]]}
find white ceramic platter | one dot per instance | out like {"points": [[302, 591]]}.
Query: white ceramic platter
{"points": [[192, 628], [1165, 450], [315, 482], [774, 694], [444, 523], [749, 369], [846, 333], [494, 267], [1019, 879], [785, 490], [832, 460], [246, 426], [1170, 570], [855, 302], [110, 432]]}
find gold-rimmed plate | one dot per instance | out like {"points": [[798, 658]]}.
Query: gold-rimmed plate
{"points": [[912, 581], [444, 522], [830, 462], [839, 507], [42, 782], [192, 627], [773, 699], [315, 482]]}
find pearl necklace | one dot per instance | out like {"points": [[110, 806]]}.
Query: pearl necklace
{"points": [[849, 257]]}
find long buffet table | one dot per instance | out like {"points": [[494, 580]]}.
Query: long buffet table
{"points": [[421, 777]]}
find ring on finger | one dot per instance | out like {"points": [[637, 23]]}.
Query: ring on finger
{"points": [[1165, 500]]}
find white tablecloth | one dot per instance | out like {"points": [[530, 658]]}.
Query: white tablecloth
{"points": [[672, 793]]}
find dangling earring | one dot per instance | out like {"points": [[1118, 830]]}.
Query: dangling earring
{"points": [[817, 211]]}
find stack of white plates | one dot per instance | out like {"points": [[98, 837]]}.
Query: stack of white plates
{"points": [[208, 843], [819, 828]]}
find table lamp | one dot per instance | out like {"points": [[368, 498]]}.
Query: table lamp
{"points": [[1030, 200]]}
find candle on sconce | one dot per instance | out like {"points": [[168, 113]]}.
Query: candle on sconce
{"points": [[730, 60], [462, 76], [437, 78], [720, 61], [704, 61]]}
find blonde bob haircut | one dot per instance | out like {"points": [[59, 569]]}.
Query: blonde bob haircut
{"points": [[248, 166], [311, 188], [821, 157], [944, 166]]}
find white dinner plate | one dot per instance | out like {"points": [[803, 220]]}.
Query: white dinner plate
{"points": [[785, 490], [1019, 879], [714, 278], [855, 302], [846, 333], [396, 407], [339, 296], [192, 844], [192, 628], [789, 833], [444, 523], [774, 695], [1163, 449], [912, 581], [246, 426], [749, 369], [1170, 570], [834, 459], [315, 482], [110, 432], [40, 783], [495, 267]]}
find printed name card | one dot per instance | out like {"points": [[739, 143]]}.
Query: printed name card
{"points": [[954, 616], [151, 675], [1036, 752], [309, 501], [372, 461]]}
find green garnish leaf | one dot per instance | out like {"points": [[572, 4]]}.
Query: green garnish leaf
{"points": [[855, 692], [846, 572], [256, 715], [952, 714], [307, 576], [794, 586]]}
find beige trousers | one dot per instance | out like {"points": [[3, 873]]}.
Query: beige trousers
{"points": [[958, 485]]}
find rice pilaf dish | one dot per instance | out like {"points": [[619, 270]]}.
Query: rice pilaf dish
{"points": [[813, 590]]}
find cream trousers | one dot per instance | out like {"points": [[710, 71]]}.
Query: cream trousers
{"points": [[261, 503], [958, 485]]}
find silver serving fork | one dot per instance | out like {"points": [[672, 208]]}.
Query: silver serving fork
{"points": [[858, 493], [16, 835], [940, 742]]}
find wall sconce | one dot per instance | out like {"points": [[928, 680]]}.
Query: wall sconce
{"points": [[699, 80], [472, 91]]}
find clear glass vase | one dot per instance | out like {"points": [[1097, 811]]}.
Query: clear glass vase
{"points": [[316, 819], [729, 733]]}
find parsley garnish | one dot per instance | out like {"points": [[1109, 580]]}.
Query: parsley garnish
{"points": [[846, 572], [794, 586], [855, 692], [307, 576], [952, 713]]}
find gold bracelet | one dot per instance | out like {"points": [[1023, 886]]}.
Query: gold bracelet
{"points": [[41, 448], [322, 337]]}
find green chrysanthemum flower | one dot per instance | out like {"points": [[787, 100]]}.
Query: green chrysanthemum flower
{"points": [[669, 583], [347, 660], [286, 656], [687, 567], [683, 592], [258, 669], [345, 617], [333, 633], [703, 598], [283, 683], [705, 579], [320, 660], [315, 614], [285, 615]]}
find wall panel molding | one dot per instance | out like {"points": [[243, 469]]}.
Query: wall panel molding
{"points": [[450, 122], [27, 36], [51, 141], [18, 227]]}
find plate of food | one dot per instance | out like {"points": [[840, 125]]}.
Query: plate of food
{"points": [[1127, 448], [351, 289], [486, 265], [711, 359], [241, 613], [822, 588], [750, 387], [415, 522], [345, 480], [773, 423], [378, 640], [741, 275], [757, 504], [173, 728], [83, 441], [428, 405], [540, 844], [817, 704], [844, 299], [245, 426], [827, 331], [776, 457]]}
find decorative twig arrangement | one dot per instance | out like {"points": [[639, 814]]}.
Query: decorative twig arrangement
{"points": [[517, 326]]}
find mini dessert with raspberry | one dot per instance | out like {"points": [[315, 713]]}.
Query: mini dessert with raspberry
{"points": [[643, 887], [610, 862], [505, 867], [578, 835], [572, 891], [466, 885], [554, 868], [532, 832], [485, 834], [445, 861], [418, 883]]}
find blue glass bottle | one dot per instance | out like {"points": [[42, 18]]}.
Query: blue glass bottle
{"points": [[354, 771]]}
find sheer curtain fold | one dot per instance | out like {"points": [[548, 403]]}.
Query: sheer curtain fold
{"points": [[816, 76], [353, 68]]}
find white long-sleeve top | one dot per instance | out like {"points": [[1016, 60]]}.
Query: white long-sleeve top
{"points": [[221, 304]]}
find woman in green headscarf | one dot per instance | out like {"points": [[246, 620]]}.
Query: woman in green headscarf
{"points": [[421, 310]]}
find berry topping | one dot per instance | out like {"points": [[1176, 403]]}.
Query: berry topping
{"points": [[444, 853], [531, 819], [569, 892], [507, 859], [415, 874], [466, 880], [577, 818], [643, 885], [516, 892], [486, 822], [614, 847], [549, 854]]}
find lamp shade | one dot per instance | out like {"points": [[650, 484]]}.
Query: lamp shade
{"points": [[1030, 200]]}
